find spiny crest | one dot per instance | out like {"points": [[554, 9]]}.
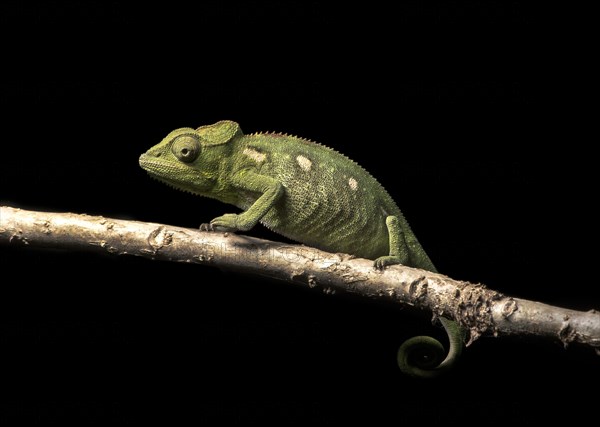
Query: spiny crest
{"points": [[310, 142], [317, 144]]}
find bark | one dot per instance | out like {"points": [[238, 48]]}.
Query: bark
{"points": [[481, 310]]}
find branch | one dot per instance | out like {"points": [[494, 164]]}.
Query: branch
{"points": [[480, 310]]}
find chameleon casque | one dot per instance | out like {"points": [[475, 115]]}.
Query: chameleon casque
{"points": [[307, 192]]}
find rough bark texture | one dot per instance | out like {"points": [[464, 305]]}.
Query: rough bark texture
{"points": [[482, 311]]}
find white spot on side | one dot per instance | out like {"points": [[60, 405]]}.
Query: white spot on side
{"points": [[304, 163], [257, 156], [353, 184]]}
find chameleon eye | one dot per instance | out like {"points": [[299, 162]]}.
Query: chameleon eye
{"points": [[186, 148]]}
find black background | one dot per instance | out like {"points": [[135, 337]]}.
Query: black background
{"points": [[451, 105]]}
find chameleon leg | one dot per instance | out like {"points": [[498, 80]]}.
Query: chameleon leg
{"points": [[398, 247], [271, 190]]}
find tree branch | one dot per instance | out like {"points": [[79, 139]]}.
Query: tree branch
{"points": [[480, 310]]}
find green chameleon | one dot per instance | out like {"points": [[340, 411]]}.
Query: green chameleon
{"points": [[306, 192]]}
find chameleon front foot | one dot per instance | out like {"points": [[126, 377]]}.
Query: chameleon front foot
{"points": [[211, 226], [215, 228], [207, 226], [231, 222]]}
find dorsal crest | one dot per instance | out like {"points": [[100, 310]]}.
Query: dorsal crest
{"points": [[219, 133]]}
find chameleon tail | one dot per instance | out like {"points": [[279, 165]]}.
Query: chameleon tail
{"points": [[423, 356]]}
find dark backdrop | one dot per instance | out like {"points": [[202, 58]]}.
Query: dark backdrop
{"points": [[445, 103]]}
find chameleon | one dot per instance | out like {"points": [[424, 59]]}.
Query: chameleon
{"points": [[306, 192]]}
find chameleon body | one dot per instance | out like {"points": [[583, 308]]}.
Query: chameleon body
{"points": [[305, 191]]}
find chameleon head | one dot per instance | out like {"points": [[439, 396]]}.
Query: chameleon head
{"points": [[194, 160], [178, 161]]}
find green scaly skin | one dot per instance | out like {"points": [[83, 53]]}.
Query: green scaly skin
{"points": [[306, 192]]}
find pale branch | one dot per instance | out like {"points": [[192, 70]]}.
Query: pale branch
{"points": [[481, 310]]}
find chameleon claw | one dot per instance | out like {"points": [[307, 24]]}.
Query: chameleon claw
{"points": [[206, 227], [215, 228], [382, 262]]}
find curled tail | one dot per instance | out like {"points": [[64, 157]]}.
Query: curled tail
{"points": [[423, 356]]}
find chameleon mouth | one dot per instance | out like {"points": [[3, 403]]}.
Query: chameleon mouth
{"points": [[167, 172], [160, 168]]}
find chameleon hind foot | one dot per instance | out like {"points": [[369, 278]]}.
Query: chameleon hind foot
{"points": [[384, 261]]}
